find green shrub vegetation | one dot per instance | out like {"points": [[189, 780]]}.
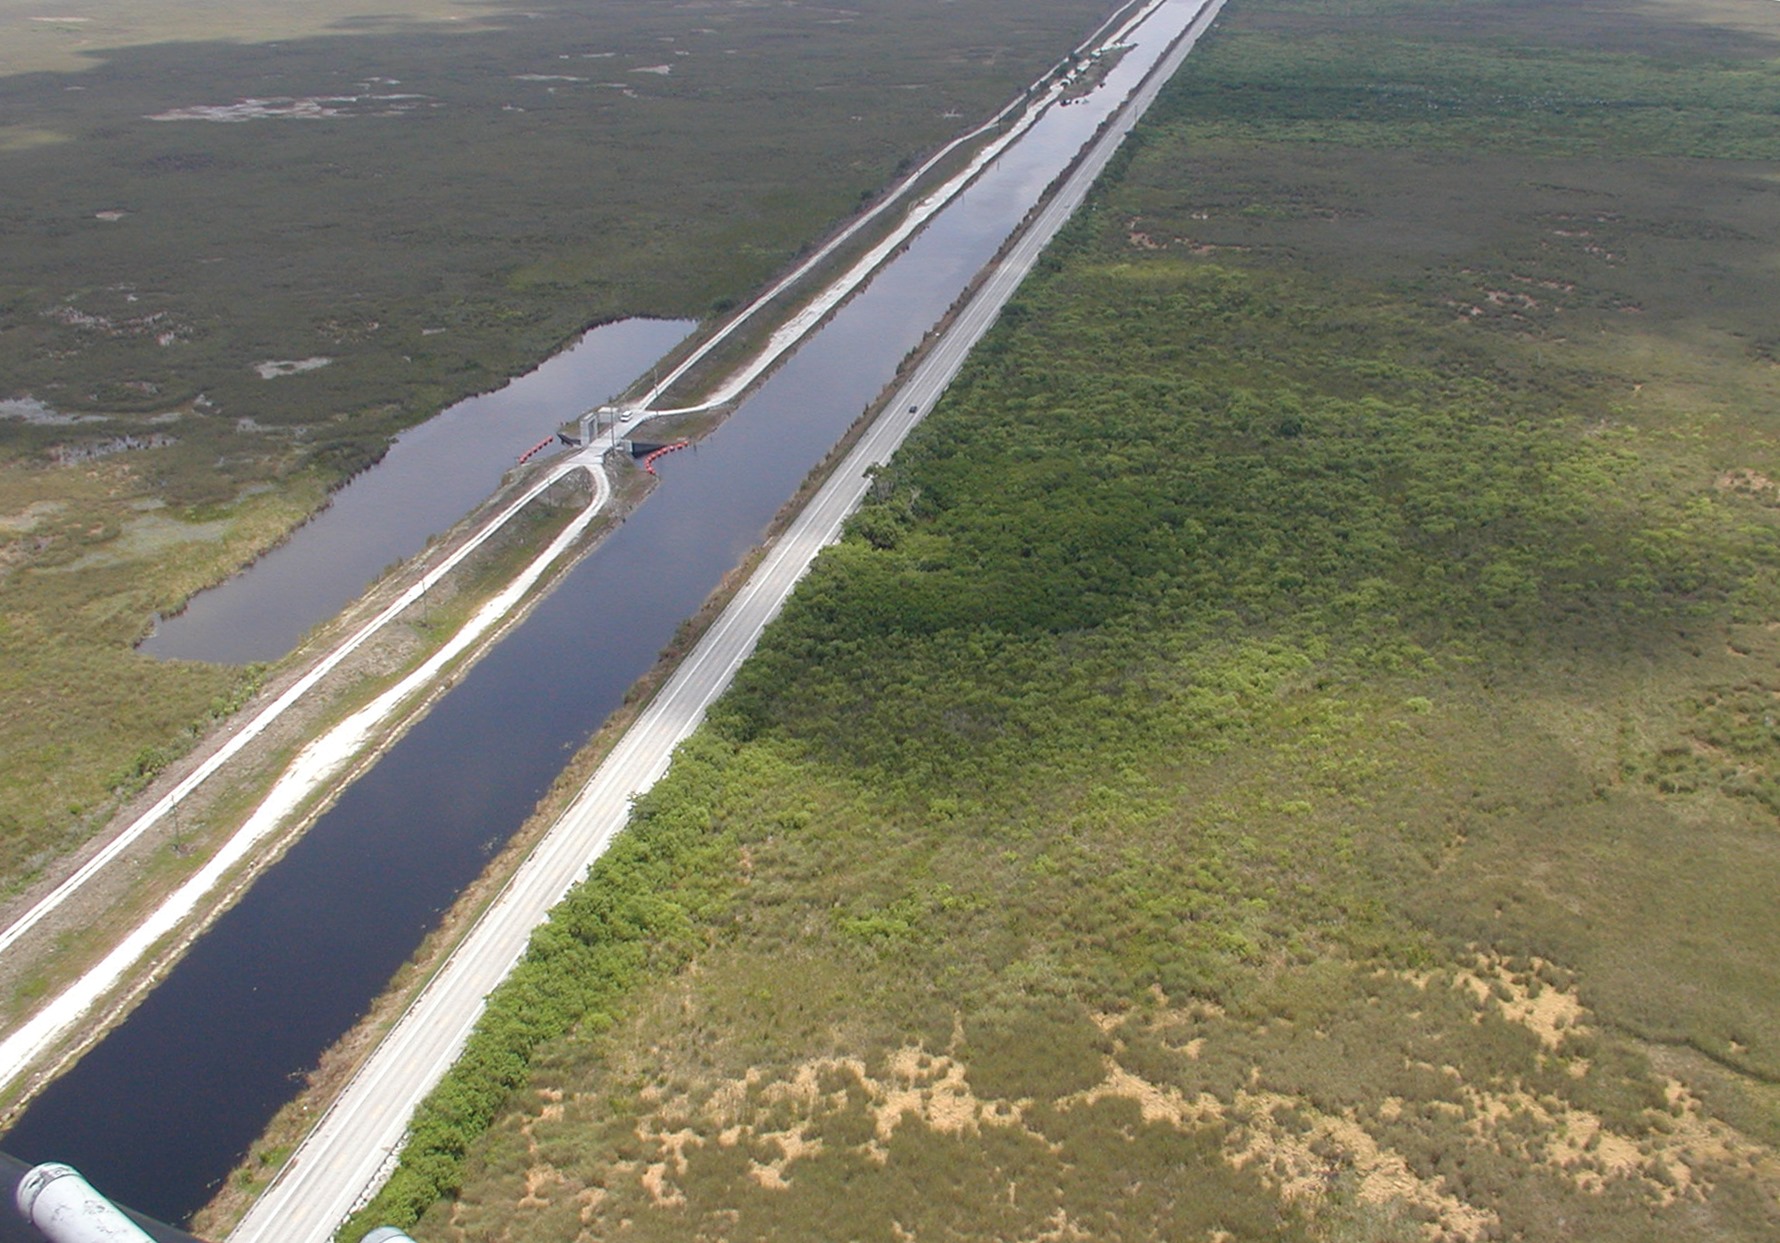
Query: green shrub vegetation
{"points": [[494, 182], [1286, 751]]}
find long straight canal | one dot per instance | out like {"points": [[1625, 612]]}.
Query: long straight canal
{"points": [[161, 1109]]}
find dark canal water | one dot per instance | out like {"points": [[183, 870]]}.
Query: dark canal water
{"points": [[159, 1111], [432, 475]]}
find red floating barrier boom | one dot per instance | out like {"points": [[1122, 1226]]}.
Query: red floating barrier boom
{"points": [[649, 462], [536, 449]]}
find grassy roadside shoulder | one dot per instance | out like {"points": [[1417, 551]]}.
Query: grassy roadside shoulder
{"points": [[1285, 751]]}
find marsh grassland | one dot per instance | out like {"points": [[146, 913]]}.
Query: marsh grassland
{"points": [[1290, 749], [243, 245]]}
